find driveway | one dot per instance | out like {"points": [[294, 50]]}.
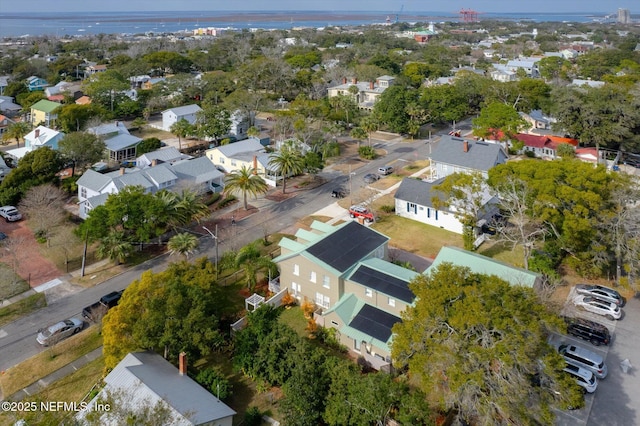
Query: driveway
{"points": [[613, 403]]}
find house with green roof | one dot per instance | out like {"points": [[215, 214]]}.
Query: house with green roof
{"points": [[44, 112], [344, 271], [480, 264]]}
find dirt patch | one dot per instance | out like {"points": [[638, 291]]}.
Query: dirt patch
{"points": [[22, 254], [279, 196]]}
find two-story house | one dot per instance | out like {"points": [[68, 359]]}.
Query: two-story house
{"points": [[173, 115], [344, 271], [197, 174], [120, 144], [454, 154], [249, 153], [544, 146], [366, 93], [35, 83], [44, 112]]}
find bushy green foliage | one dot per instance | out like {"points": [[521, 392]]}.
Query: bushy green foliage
{"points": [[367, 152], [227, 200], [253, 416], [148, 145], [215, 382], [213, 198], [387, 208]]}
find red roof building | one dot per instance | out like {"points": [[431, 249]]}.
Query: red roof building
{"points": [[544, 146]]}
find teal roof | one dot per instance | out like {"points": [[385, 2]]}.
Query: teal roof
{"points": [[390, 269], [484, 265]]}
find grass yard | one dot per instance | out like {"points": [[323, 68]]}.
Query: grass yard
{"points": [[52, 359], [10, 283], [147, 132], [22, 307], [416, 237]]}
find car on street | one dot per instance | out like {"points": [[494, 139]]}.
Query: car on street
{"points": [[601, 292], [361, 212], [10, 213], [597, 306], [584, 358], [584, 378], [59, 331], [338, 193], [385, 170], [591, 331], [370, 178], [99, 309]]}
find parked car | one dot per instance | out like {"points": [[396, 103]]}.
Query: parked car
{"points": [[597, 306], [338, 193], [61, 330], [584, 358], [591, 331], [361, 211], [385, 170], [10, 213], [601, 292], [370, 178], [99, 309], [584, 378]]}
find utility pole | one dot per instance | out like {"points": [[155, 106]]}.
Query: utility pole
{"points": [[215, 239]]}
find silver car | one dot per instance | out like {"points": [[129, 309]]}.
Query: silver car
{"points": [[584, 378], [584, 358], [58, 331], [597, 306], [601, 292]]}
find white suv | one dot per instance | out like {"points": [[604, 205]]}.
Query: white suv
{"points": [[10, 213], [597, 306]]}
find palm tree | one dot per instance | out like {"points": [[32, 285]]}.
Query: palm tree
{"points": [[181, 128], [114, 247], [359, 134], [251, 261], [184, 243], [181, 209], [17, 131], [245, 181], [287, 161], [370, 124]]}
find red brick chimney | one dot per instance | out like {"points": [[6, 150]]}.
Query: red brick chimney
{"points": [[465, 146], [255, 165], [371, 85], [154, 162], [37, 133], [344, 80], [182, 364], [121, 171], [354, 80]]}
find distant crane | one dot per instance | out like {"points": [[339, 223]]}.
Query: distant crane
{"points": [[399, 12]]}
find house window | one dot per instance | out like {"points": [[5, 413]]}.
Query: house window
{"points": [[412, 208], [356, 345], [221, 160], [295, 289], [233, 162], [322, 300], [296, 269], [312, 277], [326, 283], [83, 192], [392, 302], [436, 214], [334, 323], [428, 212], [368, 292]]}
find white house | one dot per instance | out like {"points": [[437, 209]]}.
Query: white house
{"points": [[142, 380], [39, 137], [367, 92], [248, 153], [173, 115]]}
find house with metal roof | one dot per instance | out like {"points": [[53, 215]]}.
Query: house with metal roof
{"points": [[414, 200], [35, 83], [168, 154], [198, 174], [44, 112], [248, 153], [480, 264], [344, 271], [367, 92], [39, 137], [144, 381], [454, 154], [173, 115]]}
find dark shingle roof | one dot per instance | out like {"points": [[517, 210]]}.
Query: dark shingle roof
{"points": [[384, 283], [348, 245], [374, 322], [418, 191], [480, 156]]}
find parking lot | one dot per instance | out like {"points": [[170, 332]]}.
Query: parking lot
{"points": [[615, 401]]}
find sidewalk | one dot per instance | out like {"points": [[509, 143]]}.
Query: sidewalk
{"points": [[56, 375]]}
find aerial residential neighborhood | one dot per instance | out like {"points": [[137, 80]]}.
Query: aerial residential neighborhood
{"points": [[415, 221]]}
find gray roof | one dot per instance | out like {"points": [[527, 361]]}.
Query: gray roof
{"points": [[480, 156], [419, 192], [184, 110], [248, 145], [132, 179], [166, 155], [93, 180], [116, 127], [153, 378], [121, 141], [160, 174], [98, 200], [201, 169]]}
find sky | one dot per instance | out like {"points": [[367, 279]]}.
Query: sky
{"points": [[388, 6]]}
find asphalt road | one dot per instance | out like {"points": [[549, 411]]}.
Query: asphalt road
{"points": [[17, 339]]}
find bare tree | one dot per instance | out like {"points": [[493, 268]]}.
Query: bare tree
{"points": [[520, 228], [44, 207]]}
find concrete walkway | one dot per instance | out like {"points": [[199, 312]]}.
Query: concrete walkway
{"points": [[56, 375]]}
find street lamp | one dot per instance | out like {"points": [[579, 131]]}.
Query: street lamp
{"points": [[215, 239], [350, 185]]}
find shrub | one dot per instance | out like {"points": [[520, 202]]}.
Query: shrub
{"points": [[308, 308], [388, 208], [213, 198], [215, 382], [288, 300], [367, 152], [70, 185], [226, 201], [529, 154], [253, 417]]}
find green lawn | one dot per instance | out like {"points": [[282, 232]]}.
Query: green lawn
{"points": [[10, 283], [22, 307]]}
